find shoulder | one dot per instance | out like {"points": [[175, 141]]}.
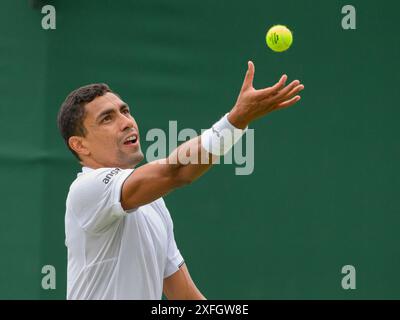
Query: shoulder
{"points": [[101, 176], [94, 198], [94, 183]]}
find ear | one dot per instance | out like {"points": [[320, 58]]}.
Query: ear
{"points": [[77, 144]]}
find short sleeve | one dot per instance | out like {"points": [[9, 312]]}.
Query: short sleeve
{"points": [[174, 257], [95, 198]]}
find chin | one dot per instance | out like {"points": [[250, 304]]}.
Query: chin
{"points": [[137, 158]]}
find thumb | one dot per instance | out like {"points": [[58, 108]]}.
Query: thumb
{"points": [[248, 79]]}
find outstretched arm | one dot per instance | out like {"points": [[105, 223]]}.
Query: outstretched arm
{"points": [[189, 161]]}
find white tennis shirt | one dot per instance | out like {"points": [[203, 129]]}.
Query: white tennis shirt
{"points": [[112, 253]]}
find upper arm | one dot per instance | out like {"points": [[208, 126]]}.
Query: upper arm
{"points": [[148, 183], [180, 286]]}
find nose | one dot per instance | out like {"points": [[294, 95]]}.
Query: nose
{"points": [[126, 122]]}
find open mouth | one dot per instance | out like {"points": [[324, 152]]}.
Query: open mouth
{"points": [[131, 140]]}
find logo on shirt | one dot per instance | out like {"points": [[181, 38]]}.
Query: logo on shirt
{"points": [[112, 173]]}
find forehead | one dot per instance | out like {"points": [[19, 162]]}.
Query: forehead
{"points": [[101, 103]]}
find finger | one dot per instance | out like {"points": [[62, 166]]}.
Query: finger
{"points": [[291, 93], [274, 89], [287, 103], [248, 79], [282, 93]]}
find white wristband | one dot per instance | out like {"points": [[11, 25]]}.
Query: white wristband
{"points": [[221, 137]]}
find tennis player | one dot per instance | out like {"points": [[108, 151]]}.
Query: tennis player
{"points": [[119, 232]]}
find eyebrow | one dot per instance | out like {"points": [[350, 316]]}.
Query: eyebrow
{"points": [[111, 110]]}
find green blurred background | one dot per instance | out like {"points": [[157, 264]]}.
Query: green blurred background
{"points": [[325, 189]]}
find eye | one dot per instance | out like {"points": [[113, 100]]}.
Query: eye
{"points": [[106, 118], [126, 111]]}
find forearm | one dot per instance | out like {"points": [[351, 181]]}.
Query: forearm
{"points": [[184, 165], [190, 160], [180, 286], [187, 291], [194, 157]]}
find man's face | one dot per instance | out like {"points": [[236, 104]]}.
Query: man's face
{"points": [[109, 126]]}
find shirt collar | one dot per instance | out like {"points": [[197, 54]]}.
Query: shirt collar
{"points": [[85, 170]]}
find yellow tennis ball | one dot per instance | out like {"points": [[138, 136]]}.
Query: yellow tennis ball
{"points": [[279, 38]]}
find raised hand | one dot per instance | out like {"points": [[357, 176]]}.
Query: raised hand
{"points": [[253, 104]]}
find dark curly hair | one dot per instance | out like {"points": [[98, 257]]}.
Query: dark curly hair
{"points": [[72, 112]]}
